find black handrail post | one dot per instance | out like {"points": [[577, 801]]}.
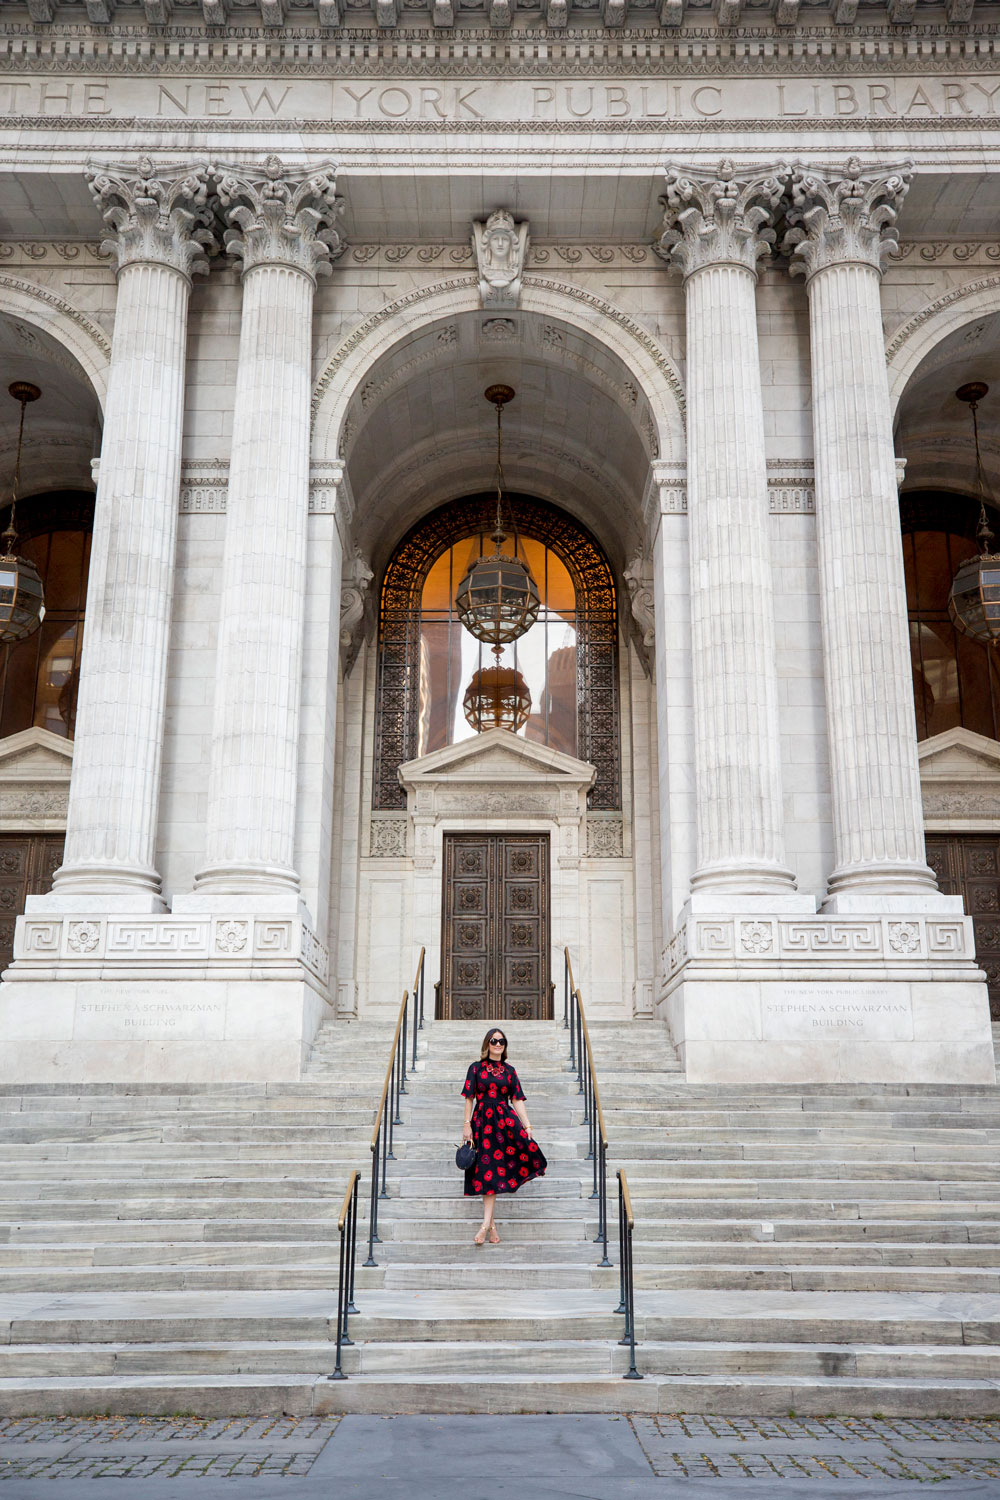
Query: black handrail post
{"points": [[402, 1050], [422, 971], [373, 1210], [572, 1028], [603, 1211], [566, 993], [338, 1371], [621, 1250], [386, 1137], [354, 1244], [579, 1047]]}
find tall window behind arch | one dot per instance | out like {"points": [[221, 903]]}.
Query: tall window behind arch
{"points": [[39, 676], [956, 681], [568, 658]]}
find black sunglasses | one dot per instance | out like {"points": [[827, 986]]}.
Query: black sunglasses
{"points": [[498, 1041]]}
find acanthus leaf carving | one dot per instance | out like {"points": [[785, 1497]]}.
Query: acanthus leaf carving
{"points": [[838, 219], [720, 219], [156, 214], [639, 582], [283, 217]]}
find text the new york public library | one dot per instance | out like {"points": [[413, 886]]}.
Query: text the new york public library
{"points": [[549, 101]]}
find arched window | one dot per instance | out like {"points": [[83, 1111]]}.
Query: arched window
{"points": [[955, 679], [568, 658], [39, 676]]}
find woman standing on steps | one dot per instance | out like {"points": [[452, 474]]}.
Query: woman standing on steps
{"points": [[496, 1121]]}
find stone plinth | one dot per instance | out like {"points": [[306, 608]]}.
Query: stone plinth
{"points": [[201, 998], [876, 998]]}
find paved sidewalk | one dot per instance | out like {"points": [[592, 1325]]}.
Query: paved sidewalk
{"points": [[478, 1458]]}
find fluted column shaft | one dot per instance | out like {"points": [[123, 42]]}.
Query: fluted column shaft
{"points": [[114, 792], [737, 744], [714, 232], [877, 811], [280, 227], [252, 784]]}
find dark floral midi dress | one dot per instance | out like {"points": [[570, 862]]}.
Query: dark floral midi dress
{"points": [[506, 1156]]}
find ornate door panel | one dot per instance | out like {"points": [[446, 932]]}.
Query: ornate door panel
{"points": [[495, 938], [968, 865], [27, 864]]}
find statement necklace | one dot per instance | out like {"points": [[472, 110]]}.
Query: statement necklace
{"points": [[495, 1069]]}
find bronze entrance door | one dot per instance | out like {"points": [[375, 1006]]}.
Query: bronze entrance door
{"points": [[968, 865], [495, 927], [28, 862]]}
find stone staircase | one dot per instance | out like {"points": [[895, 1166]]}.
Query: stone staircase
{"points": [[169, 1249]]}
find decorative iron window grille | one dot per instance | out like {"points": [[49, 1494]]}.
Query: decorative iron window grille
{"points": [[397, 699]]}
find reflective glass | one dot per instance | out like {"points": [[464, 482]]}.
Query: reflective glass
{"points": [[955, 681], [545, 654], [39, 675]]}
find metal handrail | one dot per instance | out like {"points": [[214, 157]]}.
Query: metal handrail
{"points": [[626, 1223], [387, 1115], [582, 1059], [347, 1224], [582, 1062]]}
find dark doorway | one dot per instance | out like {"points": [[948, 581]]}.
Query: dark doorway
{"points": [[968, 865], [28, 862], [495, 927]]}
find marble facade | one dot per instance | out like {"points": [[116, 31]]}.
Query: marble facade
{"points": [[720, 251]]}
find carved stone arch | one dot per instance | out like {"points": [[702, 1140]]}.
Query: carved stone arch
{"points": [[654, 371], [911, 343], [44, 309]]}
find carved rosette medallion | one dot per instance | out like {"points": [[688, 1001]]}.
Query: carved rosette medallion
{"points": [[161, 215], [840, 219], [283, 217]]}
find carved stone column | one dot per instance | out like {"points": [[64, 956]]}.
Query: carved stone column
{"points": [[715, 232], [159, 235], [281, 226], [843, 231]]}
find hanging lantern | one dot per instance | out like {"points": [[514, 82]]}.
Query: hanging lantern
{"points": [[974, 601], [497, 698], [22, 598], [497, 600]]}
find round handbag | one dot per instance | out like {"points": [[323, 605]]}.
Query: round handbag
{"points": [[465, 1156]]}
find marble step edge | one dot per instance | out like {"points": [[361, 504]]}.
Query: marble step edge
{"points": [[258, 1395]]}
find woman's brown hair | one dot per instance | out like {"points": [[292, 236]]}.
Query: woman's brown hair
{"points": [[484, 1050]]}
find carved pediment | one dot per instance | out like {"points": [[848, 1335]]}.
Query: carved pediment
{"points": [[35, 755], [959, 755], [497, 755], [497, 775]]}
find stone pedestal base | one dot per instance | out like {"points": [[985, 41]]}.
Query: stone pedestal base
{"points": [[874, 999], [843, 1032], [197, 998], [157, 1031]]}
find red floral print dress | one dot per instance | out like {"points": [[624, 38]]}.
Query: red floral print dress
{"points": [[506, 1156]]}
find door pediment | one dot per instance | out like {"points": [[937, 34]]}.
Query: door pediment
{"points": [[497, 774]]}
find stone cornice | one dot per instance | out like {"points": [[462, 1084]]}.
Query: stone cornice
{"points": [[641, 48]]}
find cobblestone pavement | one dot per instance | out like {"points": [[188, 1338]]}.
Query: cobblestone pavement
{"points": [[161, 1447], [824, 1449]]}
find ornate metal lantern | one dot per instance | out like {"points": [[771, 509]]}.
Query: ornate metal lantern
{"points": [[496, 698], [22, 598], [974, 601], [497, 600]]}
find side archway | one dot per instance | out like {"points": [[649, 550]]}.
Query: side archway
{"points": [[44, 309], [654, 372], [910, 344]]}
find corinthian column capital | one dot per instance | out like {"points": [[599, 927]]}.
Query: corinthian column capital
{"points": [[838, 218], [160, 216], [718, 220], [282, 217]]}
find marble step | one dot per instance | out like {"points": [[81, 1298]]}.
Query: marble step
{"points": [[882, 1318], [459, 1359], [302, 1395]]}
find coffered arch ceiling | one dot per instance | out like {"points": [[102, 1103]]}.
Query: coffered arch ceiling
{"points": [[934, 429], [578, 432], [62, 428]]}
